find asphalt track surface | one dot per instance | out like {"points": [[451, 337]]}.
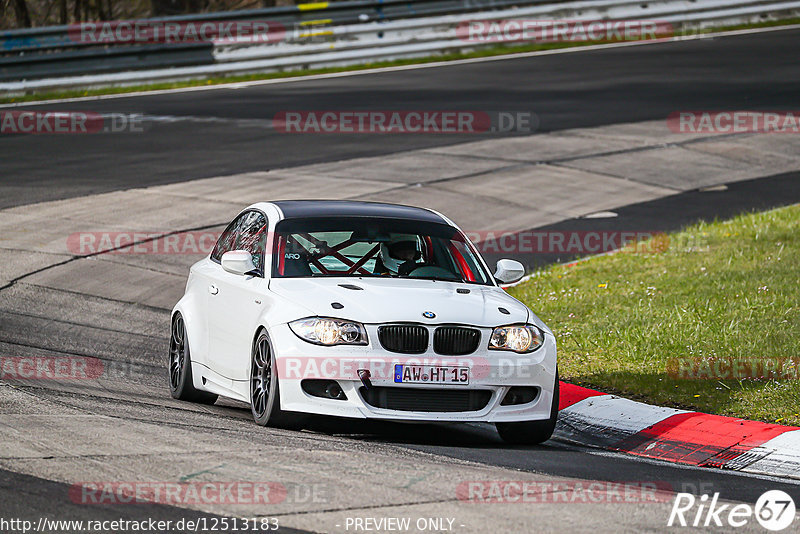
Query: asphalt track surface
{"points": [[227, 131], [671, 213], [208, 133]]}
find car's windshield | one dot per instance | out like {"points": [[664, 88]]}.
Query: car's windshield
{"points": [[361, 246]]}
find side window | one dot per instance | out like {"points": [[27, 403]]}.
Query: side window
{"points": [[227, 241], [253, 237]]}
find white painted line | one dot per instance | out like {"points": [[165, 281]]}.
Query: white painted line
{"points": [[785, 458], [601, 215], [255, 83]]}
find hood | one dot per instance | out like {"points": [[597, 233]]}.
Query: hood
{"points": [[386, 300]]}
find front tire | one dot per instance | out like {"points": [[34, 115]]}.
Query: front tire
{"points": [[265, 401], [181, 386], [532, 432]]}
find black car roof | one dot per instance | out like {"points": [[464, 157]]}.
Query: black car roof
{"points": [[297, 209]]}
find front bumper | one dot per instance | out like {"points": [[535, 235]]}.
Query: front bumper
{"points": [[491, 371]]}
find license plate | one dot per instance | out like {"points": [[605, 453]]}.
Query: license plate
{"points": [[430, 374]]}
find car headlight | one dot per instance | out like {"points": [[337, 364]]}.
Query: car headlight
{"points": [[516, 338], [327, 331]]}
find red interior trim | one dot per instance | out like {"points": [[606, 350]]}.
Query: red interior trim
{"points": [[281, 254], [462, 263], [428, 247]]}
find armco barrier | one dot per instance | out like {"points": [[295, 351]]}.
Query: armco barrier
{"points": [[34, 53], [53, 38], [343, 33], [106, 60]]}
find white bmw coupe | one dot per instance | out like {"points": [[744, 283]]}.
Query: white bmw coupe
{"points": [[361, 310]]}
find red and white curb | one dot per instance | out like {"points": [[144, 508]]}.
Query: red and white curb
{"points": [[597, 419]]}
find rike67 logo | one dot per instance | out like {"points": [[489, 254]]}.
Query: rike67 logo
{"points": [[774, 510]]}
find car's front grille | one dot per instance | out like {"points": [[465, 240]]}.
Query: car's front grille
{"points": [[455, 340], [426, 400], [404, 338]]}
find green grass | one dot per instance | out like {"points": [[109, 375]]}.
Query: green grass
{"points": [[484, 52], [718, 290]]}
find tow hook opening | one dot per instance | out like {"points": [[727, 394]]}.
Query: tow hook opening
{"points": [[364, 375]]}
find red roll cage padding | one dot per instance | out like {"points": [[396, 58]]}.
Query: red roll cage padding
{"points": [[281, 253], [462, 263], [428, 242]]}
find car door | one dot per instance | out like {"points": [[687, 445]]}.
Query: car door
{"points": [[235, 302], [202, 283]]}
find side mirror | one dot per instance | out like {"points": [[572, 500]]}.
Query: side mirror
{"points": [[238, 262], [508, 271]]}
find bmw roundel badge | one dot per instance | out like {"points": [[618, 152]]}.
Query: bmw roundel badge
{"points": [[428, 314]]}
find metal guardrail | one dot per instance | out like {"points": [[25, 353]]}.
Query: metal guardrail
{"points": [[335, 13], [58, 36], [38, 47], [430, 34], [354, 32], [106, 60]]}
